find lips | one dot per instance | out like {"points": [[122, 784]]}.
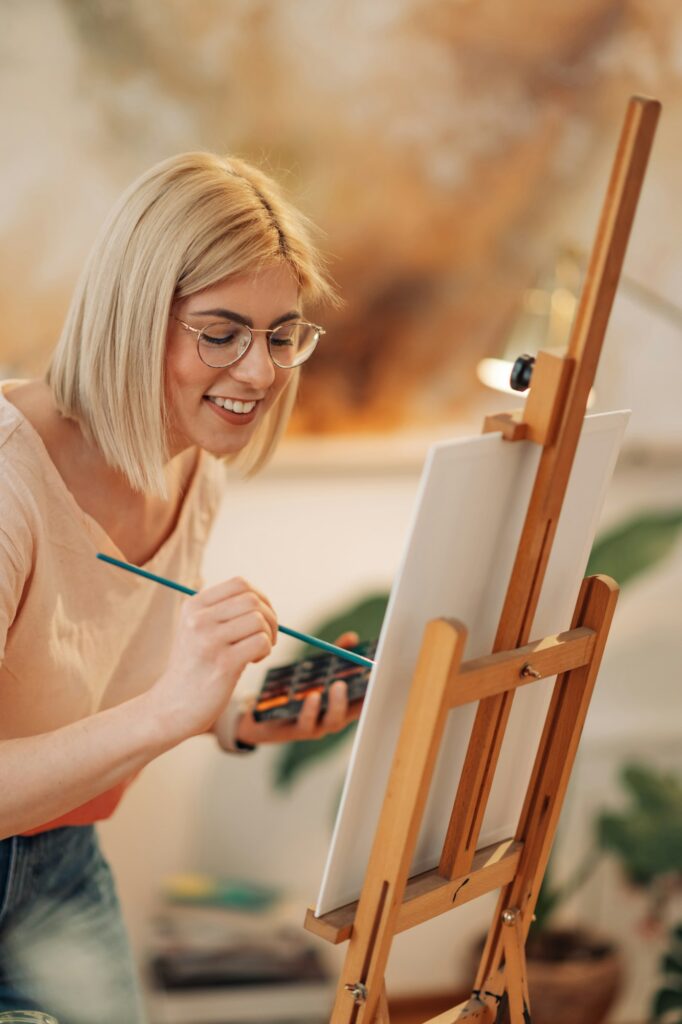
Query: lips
{"points": [[242, 405], [227, 415]]}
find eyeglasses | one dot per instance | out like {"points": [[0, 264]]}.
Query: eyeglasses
{"points": [[222, 344]]}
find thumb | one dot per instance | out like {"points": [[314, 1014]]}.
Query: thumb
{"points": [[348, 639]]}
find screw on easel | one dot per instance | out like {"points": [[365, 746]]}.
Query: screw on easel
{"points": [[510, 915], [358, 992], [528, 672], [521, 373]]}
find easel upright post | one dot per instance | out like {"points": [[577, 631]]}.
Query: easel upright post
{"points": [[361, 984]]}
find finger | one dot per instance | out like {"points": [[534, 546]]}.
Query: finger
{"points": [[233, 607], [337, 707], [234, 630], [348, 639], [227, 588], [309, 714], [252, 648], [354, 710]]}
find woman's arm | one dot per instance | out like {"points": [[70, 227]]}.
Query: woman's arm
{"points": [[45, 776], [219, 632]]}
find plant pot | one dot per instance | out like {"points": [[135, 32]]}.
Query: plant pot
{"points": [[574, 977]]}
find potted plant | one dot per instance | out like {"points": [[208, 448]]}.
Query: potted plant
{"points": [[574, 974], [667, 1002]]}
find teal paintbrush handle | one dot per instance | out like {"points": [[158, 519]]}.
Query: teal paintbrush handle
{"points": [[357, 659]]}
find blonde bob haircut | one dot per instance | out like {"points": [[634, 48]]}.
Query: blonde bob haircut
{"points": [[187, 223]]}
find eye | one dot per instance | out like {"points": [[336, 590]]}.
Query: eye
{"points": [[225, 333], [286, 336]]}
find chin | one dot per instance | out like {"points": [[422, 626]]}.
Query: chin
{"points": [[220, 450], [218, 445]]}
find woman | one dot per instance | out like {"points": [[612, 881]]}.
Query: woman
{"points": [[180, 350]]}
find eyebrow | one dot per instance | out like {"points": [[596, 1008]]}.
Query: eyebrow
{"points": [[229, 314]]}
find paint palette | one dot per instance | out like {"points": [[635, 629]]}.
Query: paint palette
{"points": [[285, 688]]}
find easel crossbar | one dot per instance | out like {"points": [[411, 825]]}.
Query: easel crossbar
{"points": [[428, 894], [506, 670]]}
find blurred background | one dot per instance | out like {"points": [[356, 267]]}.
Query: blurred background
{"points": [[454, 154]]}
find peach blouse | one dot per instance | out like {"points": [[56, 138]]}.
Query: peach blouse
{"points": [[78, 635]]}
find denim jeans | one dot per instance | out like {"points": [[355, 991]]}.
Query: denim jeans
{"points": [[63, 943]]}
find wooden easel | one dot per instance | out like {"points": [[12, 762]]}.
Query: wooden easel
{"points": [[391, 902]]}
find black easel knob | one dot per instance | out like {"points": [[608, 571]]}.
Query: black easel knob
{"points": [[522, 371]]}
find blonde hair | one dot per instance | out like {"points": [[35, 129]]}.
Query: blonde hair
{"points": [[187, 223]]}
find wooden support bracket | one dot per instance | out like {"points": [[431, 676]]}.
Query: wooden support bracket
{"points": [[539, 420], [547, 398], [429, 894]]}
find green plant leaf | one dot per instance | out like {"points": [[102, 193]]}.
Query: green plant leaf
{"points": [[551, 895], [671, 965], [666, 999], [669, 996], [295, 757], [647, 835], [635, 546], [365, 617]]}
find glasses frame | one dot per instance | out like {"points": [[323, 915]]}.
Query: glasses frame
{"points": [[254, 330]]}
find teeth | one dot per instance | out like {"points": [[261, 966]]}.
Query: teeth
{"points": [[232, 405]]}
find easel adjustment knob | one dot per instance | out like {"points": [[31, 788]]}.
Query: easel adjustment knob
{"points": [[521, 373], [528, 672], [358, 992]]}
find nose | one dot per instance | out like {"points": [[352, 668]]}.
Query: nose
{"points": [[255, 367]]}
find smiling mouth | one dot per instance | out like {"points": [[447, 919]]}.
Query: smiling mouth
{"points": [[232, 404]]}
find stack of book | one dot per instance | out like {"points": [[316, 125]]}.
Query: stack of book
{"points": [[220, 954]]}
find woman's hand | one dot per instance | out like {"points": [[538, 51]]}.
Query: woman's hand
{"points": [[306, 727], [221, 629]]}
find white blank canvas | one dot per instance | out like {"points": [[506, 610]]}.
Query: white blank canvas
{"points": [[467, 522]]}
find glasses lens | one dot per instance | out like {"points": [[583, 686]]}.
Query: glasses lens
{"points": [[223, 343], [292, 344]]}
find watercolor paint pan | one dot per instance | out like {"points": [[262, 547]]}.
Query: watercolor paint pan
{"points": [[285, 688]]}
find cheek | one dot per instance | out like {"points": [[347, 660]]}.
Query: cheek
{"points": [[282, 379], [184, 371]]}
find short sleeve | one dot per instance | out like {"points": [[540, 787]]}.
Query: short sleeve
{"points": [[14, 572]]}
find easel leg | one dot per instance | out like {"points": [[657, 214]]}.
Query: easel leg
{"points": [[360, 991], [516, 982], [551, 772], [382, 1008]]}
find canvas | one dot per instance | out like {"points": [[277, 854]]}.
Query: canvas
{"points": [[458, 557]]}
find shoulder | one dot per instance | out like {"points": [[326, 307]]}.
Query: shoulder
{"points": [[19, 497], [10, 418], [22, 475]]}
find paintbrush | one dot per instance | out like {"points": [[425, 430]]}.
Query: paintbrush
{"points": [[314, 641]]}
